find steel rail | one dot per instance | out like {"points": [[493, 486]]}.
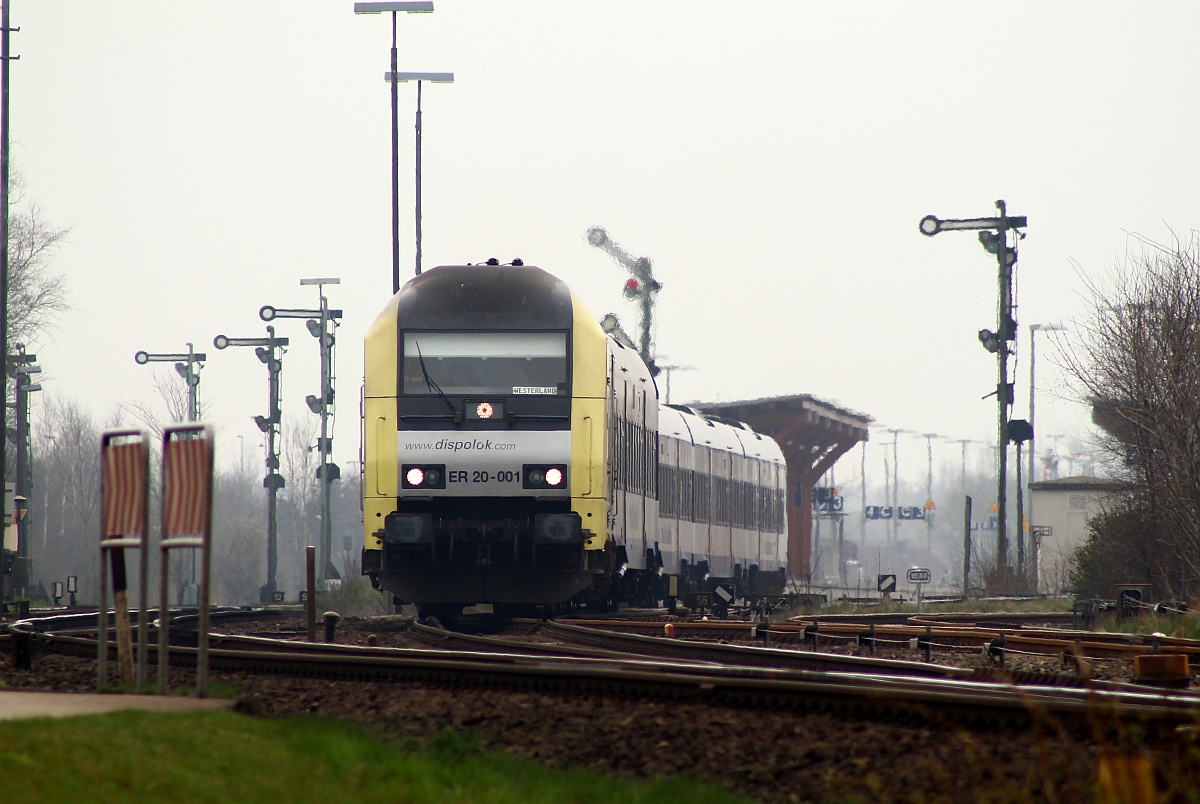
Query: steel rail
{"points": [[744, 655], [441, 636], [725, 685], [1088, 644], [812, 660], [672, 650], [797, 689]]}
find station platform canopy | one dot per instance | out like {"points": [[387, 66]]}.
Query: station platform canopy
{"points": [[813, 434]]}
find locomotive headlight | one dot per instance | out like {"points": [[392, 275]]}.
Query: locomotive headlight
{"points": [[543, 476], [423, 476]]}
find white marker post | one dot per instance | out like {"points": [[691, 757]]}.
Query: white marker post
{"points": [[919, 576]]}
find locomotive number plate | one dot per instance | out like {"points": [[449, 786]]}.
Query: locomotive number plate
{"points": [[483, 476]]}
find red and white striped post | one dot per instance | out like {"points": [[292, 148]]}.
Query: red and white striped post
{"points": [[125, 459], [187, 522]]}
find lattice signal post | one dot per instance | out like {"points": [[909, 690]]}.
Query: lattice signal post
{"points": [[270, 351], [21, 367], [187, 366], [320, 323], [993, 235]]}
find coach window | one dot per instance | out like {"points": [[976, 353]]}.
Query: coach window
{"points": [[494, 363], [689, 495]]}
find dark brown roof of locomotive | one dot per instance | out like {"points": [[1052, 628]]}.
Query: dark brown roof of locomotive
{"points": [[485, 296]]}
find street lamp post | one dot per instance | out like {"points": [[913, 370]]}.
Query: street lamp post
{"points": [[435, 78], [270, 351], [966, 515], [188, 366], [320, 323], [862, 519], [1033, 569], [409, 7], [929, 509], [895, 521]]}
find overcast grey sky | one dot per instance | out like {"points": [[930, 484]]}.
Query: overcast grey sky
{"points": [[771, 158]]}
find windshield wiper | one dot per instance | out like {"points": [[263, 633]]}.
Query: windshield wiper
{"points": [[433, 386]]}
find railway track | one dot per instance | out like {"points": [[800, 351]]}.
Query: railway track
{"points": [[711, 674], [997, 635]]}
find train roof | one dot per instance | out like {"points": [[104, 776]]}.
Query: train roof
{"points": [[710, 431], [484, 296]]}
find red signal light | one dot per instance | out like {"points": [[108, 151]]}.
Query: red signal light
{"points": [[631, 284]]}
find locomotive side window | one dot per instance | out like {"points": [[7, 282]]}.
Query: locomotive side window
{"points": [[491, 363]]}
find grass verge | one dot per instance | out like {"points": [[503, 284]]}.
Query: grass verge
{"points": [[223, 757]]}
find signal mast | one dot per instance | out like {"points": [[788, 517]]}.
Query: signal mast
{"points": [[641, 286]]}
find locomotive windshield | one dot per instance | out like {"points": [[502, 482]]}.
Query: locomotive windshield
{"points": [[485, 363]]}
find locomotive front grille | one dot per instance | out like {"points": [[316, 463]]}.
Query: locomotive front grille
{"points": [[421, 538]]}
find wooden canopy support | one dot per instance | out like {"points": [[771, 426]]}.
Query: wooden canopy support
{"points": [[812, 434]]}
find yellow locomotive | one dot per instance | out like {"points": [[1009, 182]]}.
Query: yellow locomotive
{"points": [[516, 458]]}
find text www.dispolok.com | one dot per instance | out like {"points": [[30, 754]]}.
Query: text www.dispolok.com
{"points": [[450, 445]]}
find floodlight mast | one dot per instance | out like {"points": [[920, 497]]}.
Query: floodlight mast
{"points": [[643, 286], [409, 7], [1006, 258], [419, 78]]}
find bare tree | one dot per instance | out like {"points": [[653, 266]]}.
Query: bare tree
{"points": [[239, 538], [67, 475], [173, 396], [1137, 359], [300, 505], [36, 294], [346, 509]]}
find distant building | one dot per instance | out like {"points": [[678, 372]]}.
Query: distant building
{"points": [[1063, 508]]}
